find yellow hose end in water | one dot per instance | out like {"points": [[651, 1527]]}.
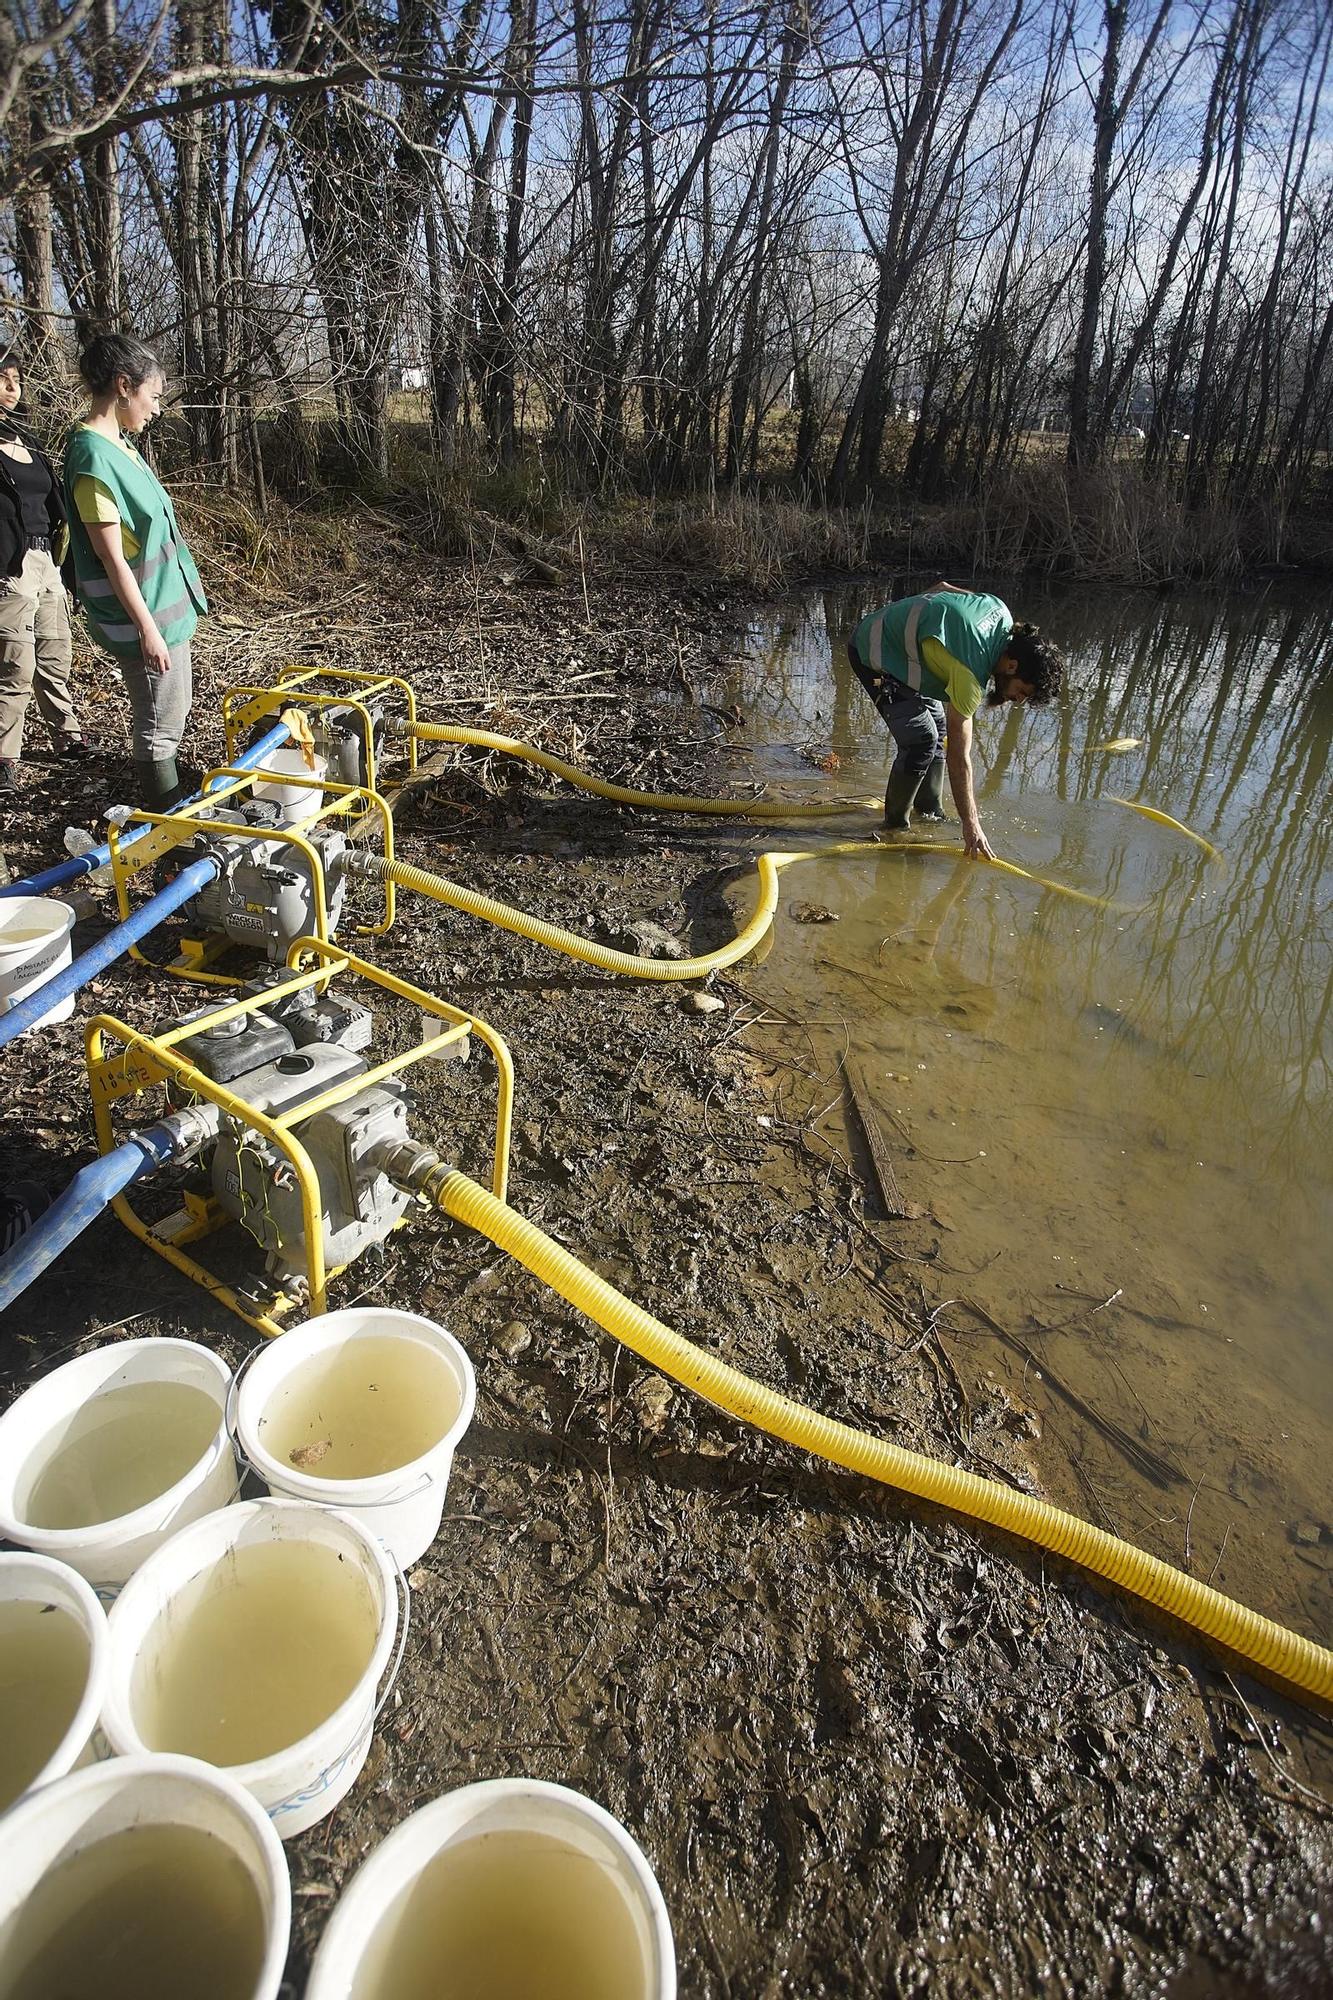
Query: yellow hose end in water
{"points": [[1165, 819], [1261, 1642]]}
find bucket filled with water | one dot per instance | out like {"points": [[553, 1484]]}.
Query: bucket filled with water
{"points": [[255, 1640], [35, 944], [361, 1410], [142, 1879], [53, 1654], [107, 1456], [502, 1890]]}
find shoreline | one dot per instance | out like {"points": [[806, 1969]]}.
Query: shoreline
{"points": [[868, 1748]]}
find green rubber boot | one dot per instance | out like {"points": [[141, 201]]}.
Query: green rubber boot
{"points": [[899, 794], [159, 783], [930, 799]]}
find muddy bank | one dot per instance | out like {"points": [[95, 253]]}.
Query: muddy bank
{"points": [[868, 1751]]}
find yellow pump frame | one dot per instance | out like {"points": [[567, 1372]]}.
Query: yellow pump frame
{"points": [[243, 707], [140, 1062]]}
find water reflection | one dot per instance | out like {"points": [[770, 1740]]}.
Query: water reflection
{"points": [[1128, 1100]]}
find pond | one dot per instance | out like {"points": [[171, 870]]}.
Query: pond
{"points": [[1119, 1118]]}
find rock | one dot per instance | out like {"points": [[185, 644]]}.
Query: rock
{"points": [[701, 1003], [515, 1339], [651, 1399], [647, 939], [1308, 1533]]}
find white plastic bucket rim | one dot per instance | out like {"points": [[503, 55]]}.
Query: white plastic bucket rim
{"points": [[403, 1507], [108, 1552], [303, 1781], [36, 942], [33, 1579], [496, 1805], [294, 801], [54, 1823]]}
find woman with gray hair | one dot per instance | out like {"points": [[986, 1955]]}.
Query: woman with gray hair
{"points": [[137, 582]]}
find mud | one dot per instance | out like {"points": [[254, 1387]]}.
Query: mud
{"points": [[869, 1751]]}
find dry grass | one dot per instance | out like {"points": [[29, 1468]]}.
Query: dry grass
{"points": [[1110, 524]]}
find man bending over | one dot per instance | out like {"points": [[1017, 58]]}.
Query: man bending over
{"points": [[946, 650]]}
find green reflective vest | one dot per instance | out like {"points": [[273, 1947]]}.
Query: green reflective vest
{"points": [[971, 626], [163, 569]]}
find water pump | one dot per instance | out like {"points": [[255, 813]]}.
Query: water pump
{"points": [[266, 893], [278, 1058], [300, 1130]]}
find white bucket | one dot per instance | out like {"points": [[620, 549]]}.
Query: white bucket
{"points": [[53, 1655], [293, 801], [369, 1388], [116, 1419], [35, 944], [149, 1878], [262, 1631], [506, 1888]]}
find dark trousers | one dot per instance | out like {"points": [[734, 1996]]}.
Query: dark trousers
{"points": [[916, 723]]}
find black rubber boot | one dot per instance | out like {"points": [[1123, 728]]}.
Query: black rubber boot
{"points": [[899, 795], [159, 784], [930, 799]]}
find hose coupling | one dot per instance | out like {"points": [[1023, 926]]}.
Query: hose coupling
{"points": [[417, 1169], [181, 1134], [360, 861]]}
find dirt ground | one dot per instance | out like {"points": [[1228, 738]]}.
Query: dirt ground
{"points": [[868, 1750]]}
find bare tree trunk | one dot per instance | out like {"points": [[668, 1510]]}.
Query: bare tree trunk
{"points": [[745, 387], [106, 298]]}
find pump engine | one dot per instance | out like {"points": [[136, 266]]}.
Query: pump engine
{"points": [[264, 895], [340, 738], [282, 1055]]}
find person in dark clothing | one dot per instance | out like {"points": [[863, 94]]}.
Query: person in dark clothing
{"points": [[929, 663], [36, 652]]}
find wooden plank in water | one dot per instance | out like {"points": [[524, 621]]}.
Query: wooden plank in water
{"points": [[890, 1195]]}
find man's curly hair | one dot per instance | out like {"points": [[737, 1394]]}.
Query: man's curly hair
{"points": [[1038, 662]]}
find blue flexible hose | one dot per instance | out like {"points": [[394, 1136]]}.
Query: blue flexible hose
{"points": [[81, 1203], [107, 949], [64, 872]]}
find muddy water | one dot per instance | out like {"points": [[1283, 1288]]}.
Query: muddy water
{"points": [[1130, 1105]]}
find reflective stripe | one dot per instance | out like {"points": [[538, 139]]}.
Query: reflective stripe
{"points": [[170, 614], [165, 554], [877, 645], [164, 619], [909, 645], [141, 572]]}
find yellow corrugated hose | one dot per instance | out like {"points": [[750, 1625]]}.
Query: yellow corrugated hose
{"points": [[603, 956], [1165, 819], [630, 964], [676, 802], [779, 809], [1263, 1643]]}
